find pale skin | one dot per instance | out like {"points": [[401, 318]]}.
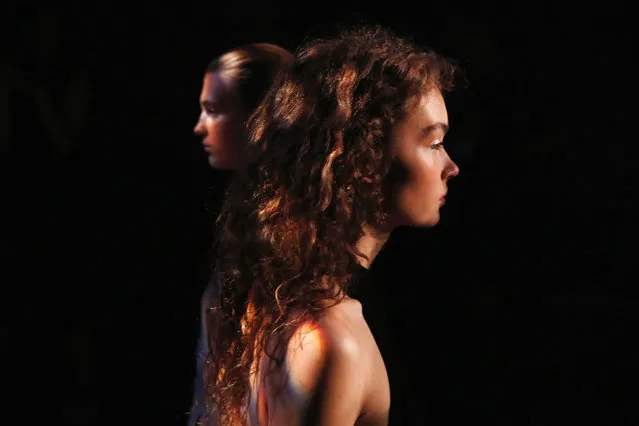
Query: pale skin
{"points": [[333, 374]]}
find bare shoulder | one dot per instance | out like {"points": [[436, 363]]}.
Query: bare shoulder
{"points": [[349, 318], [343, 325], [334, 338], [331, 364]]}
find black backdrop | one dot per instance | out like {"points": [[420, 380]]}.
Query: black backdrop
{"points": [[514, 310]]}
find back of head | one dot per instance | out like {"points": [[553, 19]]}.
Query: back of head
{"points": [[252, 68], [291, 222]]}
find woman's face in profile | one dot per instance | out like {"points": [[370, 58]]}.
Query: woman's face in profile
{"points": [[222, 122], [422, 165]]}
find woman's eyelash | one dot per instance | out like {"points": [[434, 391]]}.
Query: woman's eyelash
{"points": [[437, 144]]}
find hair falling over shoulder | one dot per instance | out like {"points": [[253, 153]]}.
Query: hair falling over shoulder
{"points": [[290, 222]]}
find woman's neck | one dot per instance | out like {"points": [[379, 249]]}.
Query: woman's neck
{"points": [[370, 244]]}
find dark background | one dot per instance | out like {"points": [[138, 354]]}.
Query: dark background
{"points": [[516, 309]]}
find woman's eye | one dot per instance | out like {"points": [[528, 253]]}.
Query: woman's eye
{"points": [[437, 144]]}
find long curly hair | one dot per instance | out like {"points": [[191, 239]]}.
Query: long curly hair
{"points": [[320, 168]]}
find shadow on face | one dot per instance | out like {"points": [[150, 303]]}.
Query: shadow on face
{"points": [[222, 122], [422, 166]]}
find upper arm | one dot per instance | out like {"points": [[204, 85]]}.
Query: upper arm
{"points": [[202, 351], [329, 371], [337, 399]]}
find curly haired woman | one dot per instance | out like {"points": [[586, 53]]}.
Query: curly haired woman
{"points": [[346, 147]]}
